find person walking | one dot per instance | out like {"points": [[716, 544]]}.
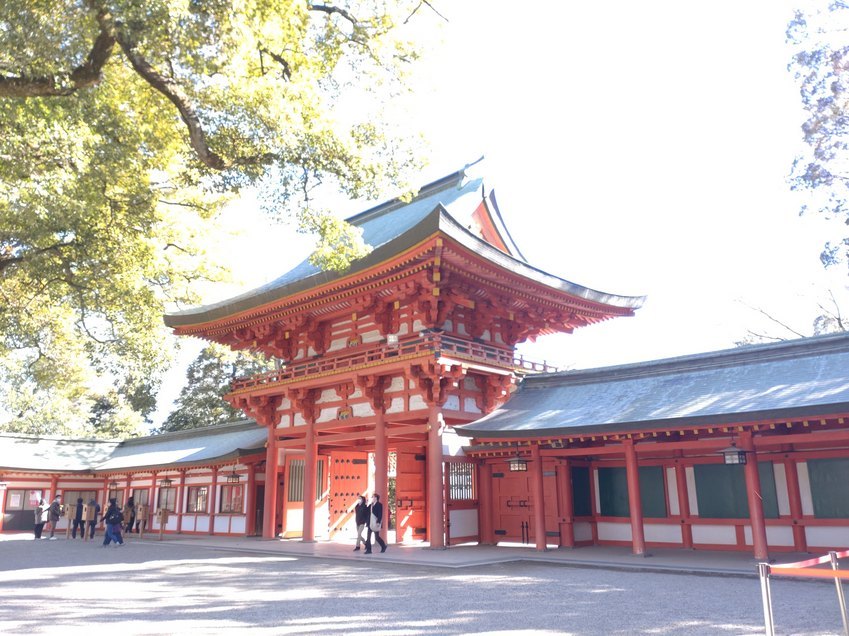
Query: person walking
{"points": [[114, 520], [40, 514], [78, 520], [361, 515], [53, 513], [91, 516], [375, 524], [129, 514]]}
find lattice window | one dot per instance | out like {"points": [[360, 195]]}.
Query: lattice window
{"points": [[461, 481]]}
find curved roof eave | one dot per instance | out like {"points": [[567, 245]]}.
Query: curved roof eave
{"points": [[439, 219]]}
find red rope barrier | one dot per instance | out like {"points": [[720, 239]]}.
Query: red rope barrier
{"points": [[804, 564], [811, 572]]}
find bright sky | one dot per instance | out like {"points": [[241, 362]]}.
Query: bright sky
{"points": [[637, 148]]}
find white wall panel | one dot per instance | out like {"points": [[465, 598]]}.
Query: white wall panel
{"points": [[614, 531], [719, 535], [464, 523]]}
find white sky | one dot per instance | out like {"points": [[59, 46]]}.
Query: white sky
{"points": [[638, 148]]}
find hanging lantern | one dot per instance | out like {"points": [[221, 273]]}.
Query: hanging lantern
{"points": [[517, 464], [165, 483], [233, 478], [732, 455]]}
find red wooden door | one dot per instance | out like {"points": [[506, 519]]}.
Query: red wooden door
{"points": [[410, 497], [348, 478], [513, 503]]}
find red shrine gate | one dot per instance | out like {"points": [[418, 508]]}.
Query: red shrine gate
{"points": [[417, 336]]}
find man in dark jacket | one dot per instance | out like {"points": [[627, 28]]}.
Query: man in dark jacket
{"points": [[375, 524], [361, 514], [78, 520]]}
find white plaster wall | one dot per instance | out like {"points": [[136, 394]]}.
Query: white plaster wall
{"points": [[189, 523], [461, 329], [285, 403], [417, 403], [364, 409], [827, 536], [298, 420], [404, 329], [202, 523], [691, 490], [191, 480], [583, 531], [448, 325], [326, 415], [614, 531], [663, 533], [776, 535], [781, 489], [221, 524], [805, 489], [238, 524], [498, 338], [395, 384], [720, 535], [672, 491], [337, 343], [464, 523], [396, 406], [418, 326], [372, 336], [327, 395]]}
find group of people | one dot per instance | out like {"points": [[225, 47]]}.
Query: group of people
{"points": [[114, 518], [369, 516]]}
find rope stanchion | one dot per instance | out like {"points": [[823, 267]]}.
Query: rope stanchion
{"points": [[804, 569]]}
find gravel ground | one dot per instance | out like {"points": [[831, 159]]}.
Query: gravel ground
{"points": [[69, 587]]}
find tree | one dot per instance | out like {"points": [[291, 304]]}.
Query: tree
{"points": [[127, 125], [208, 378], [821, 66]]}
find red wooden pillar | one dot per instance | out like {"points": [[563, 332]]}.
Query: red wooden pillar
{"points": [[250, 502], [485, 503], [635, 502], [54, 487], [800, 541], [539, 498], [150, 500], [269, 519], [213, 491], [753, 493], [381, 460], [310, 461], [683, 504], [435, 493], [566, 503], [181, 486]]}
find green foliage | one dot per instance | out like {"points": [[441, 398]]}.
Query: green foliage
{"points": [[208, 379], [126, 125]]}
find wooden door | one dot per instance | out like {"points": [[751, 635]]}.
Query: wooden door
{"points": [[410, 496], [348, 478]]}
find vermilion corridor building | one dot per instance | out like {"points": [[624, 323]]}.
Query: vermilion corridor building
{"points": [[399, 376]]}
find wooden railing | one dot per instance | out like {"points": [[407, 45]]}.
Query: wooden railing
{"points": [[433, 343]]}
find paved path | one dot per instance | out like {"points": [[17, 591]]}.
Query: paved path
{"points": [[223, 586]]}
